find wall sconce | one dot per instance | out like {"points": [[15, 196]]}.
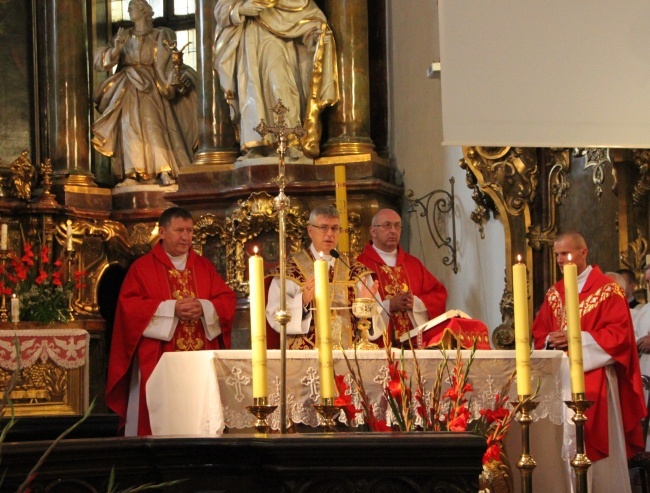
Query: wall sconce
{"points": [[434, 205]]}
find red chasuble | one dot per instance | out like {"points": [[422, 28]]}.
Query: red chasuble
{"points": [[151, 280], [604, 313], [409, 274]]}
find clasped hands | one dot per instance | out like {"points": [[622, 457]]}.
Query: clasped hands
{"points": [[401, 302], [558, 340], [188, 309]]}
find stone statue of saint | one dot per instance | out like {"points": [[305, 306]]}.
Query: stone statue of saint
{"points": [[270, 50], [149, 122]]}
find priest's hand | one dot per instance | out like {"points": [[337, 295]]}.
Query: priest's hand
{"points": [[558, 340], [643, 344], [308, 291], [401, 302], [188, 309], [369, 292]]}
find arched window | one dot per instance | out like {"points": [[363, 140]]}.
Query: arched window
{"points": [[177, 15]]}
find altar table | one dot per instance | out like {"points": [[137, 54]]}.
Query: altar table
{"points": [[225, 377]]}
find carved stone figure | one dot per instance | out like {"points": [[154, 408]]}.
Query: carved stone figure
{"points": [[149, 122], [269, 50]]}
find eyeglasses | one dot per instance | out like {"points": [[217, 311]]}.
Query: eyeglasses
{"points": [[388, 226], [324, 228]]}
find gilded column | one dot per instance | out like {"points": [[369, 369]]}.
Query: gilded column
{"points": [[64, 90], [349, 121], [217, 143]]}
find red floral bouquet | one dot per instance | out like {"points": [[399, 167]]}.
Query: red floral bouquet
{"points": [[39, 281]]}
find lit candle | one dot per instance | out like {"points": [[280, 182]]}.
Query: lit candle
{"points": [[522, 333], [323, 328], [68, 235], [3, 237], [258, 324], [15, 309], [574, 335]]}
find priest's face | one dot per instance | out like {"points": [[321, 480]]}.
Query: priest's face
{"points": [[569, 246], [386, 230], [177, 237], [324, 233]]}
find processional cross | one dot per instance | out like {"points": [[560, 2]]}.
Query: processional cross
{"points": [[284, 135]]}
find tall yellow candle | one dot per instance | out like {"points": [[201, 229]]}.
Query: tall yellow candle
{"points": [[522, 332], [341, 193], [324, 329], [258, 325], [574, 334]]}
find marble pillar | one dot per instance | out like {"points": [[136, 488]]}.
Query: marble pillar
{"points": [[63, 86], [217, 145], [349, 121]]}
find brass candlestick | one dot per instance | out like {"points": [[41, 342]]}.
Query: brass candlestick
{"points": [[526, 464], [4, 312], [261, 410], [580, 461], [328, 412]]}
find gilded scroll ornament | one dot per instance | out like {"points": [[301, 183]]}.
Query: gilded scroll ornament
{"points": [[539, 235], [484, 203], [641, 158], [635, 260], [596, 159]]}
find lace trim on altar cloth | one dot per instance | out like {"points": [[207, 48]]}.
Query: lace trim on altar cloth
{"points": [[67, 348]]}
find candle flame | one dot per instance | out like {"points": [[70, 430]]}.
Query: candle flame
{"points": [[13, 295], [255, 249], [321, 255], [569, 257], [518, 259]]}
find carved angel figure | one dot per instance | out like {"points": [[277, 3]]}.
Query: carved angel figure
{"points": [[23, 177]]}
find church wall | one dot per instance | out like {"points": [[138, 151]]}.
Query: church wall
{"points": [[415, 122]]}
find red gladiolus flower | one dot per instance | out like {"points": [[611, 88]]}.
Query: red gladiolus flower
{"points": [[45, 254], [493, 415], [493, 452], [395, 389], [56, 279], [28, 258], [42, 276], [58, 262]]}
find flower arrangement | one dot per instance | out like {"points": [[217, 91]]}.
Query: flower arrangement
{"points": [[39, 282], [413, 409]]}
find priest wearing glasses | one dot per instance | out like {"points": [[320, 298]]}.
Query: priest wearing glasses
{"points": [[411, 294], [348, 280]]}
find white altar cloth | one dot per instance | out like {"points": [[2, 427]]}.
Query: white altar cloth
{"points": [[183, 395]]}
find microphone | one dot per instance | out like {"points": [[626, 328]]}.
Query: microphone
{"points": [[335, 253]]}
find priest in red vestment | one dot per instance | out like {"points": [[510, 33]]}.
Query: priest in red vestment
{"points": [[171, 300], [411, 294], [611, 364]]}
